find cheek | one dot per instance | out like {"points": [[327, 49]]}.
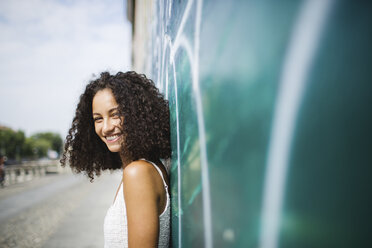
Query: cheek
{"points": [[97, 128], [117, 122]]}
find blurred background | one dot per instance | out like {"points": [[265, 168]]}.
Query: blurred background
{"points": [[49, 50], [270, 117]]}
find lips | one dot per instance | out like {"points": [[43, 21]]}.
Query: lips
{"points": [[113, 138]]}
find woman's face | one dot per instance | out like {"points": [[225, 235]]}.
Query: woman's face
{"points": [[107, 120]]}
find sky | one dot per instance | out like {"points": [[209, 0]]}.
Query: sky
{"points": [[49, 50]]}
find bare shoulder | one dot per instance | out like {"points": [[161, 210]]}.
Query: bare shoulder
{"points": [[140, 179], [139, 170]]}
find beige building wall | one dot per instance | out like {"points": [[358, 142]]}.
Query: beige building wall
{"points": [[143, 11]]}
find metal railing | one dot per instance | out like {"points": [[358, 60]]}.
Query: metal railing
{"points": [[29, 170]]}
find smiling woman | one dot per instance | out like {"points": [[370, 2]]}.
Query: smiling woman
{"points": [[122, 122]]}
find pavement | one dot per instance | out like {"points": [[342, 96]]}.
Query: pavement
{"points": [[56, 211]]}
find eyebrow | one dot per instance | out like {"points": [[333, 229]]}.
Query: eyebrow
{"points": [[110, 111]]}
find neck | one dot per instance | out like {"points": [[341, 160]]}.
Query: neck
{"points": [[125, 160]]}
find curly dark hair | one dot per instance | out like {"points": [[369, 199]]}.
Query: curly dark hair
{"points": [[146, 125]]}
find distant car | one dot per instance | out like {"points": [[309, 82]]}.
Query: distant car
{"points": [[11, 162]]}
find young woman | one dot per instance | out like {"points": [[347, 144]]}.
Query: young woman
{"points": [[122, 122]]}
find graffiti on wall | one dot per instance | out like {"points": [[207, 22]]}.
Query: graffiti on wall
{"points": [[166, 50], [259, 121]]}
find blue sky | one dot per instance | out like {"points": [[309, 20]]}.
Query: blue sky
{"points": [[49, 50]]}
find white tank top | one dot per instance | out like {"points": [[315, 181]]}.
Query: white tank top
{"points": [[115, 225]]}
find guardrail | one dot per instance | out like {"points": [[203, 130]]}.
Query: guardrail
{"points": [[30, 170]]}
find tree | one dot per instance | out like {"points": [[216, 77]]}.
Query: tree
{"points": [[11, 142], [54, 140], [15, 145]]}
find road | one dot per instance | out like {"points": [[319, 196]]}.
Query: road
{"points": [[56, 211]]}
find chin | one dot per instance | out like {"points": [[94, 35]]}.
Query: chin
{"points": [[114, 149]]}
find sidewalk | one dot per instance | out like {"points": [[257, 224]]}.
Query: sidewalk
{"points": [[83, 227], [60, 211]]}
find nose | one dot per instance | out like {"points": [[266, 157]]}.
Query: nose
{"points": [[108, 126]]}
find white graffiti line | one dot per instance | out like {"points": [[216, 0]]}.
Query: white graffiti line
{"points": [[182, 25], [166, 82], [164, 67], [202, 141], [169, 9], [184, 43], [207, 209], [181, 41], [303, 44], [158, 47], [178, 157]]}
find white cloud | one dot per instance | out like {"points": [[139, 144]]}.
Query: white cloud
{"points": [[48, 52]]}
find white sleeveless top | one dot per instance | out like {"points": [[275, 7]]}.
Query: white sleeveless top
{"points": [[115, 225]]}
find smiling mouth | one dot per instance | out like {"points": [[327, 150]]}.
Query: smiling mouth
{"points": [[113, 138]]}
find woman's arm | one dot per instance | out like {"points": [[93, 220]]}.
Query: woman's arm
{"points": [[141, 199]]}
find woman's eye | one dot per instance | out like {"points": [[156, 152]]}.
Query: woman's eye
{"points": [[116, 115], [97, 119]]}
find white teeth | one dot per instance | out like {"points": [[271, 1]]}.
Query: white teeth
{"points": [[110, 138]]}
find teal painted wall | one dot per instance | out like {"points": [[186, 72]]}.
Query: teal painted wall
{"points": [[271, 120]]}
